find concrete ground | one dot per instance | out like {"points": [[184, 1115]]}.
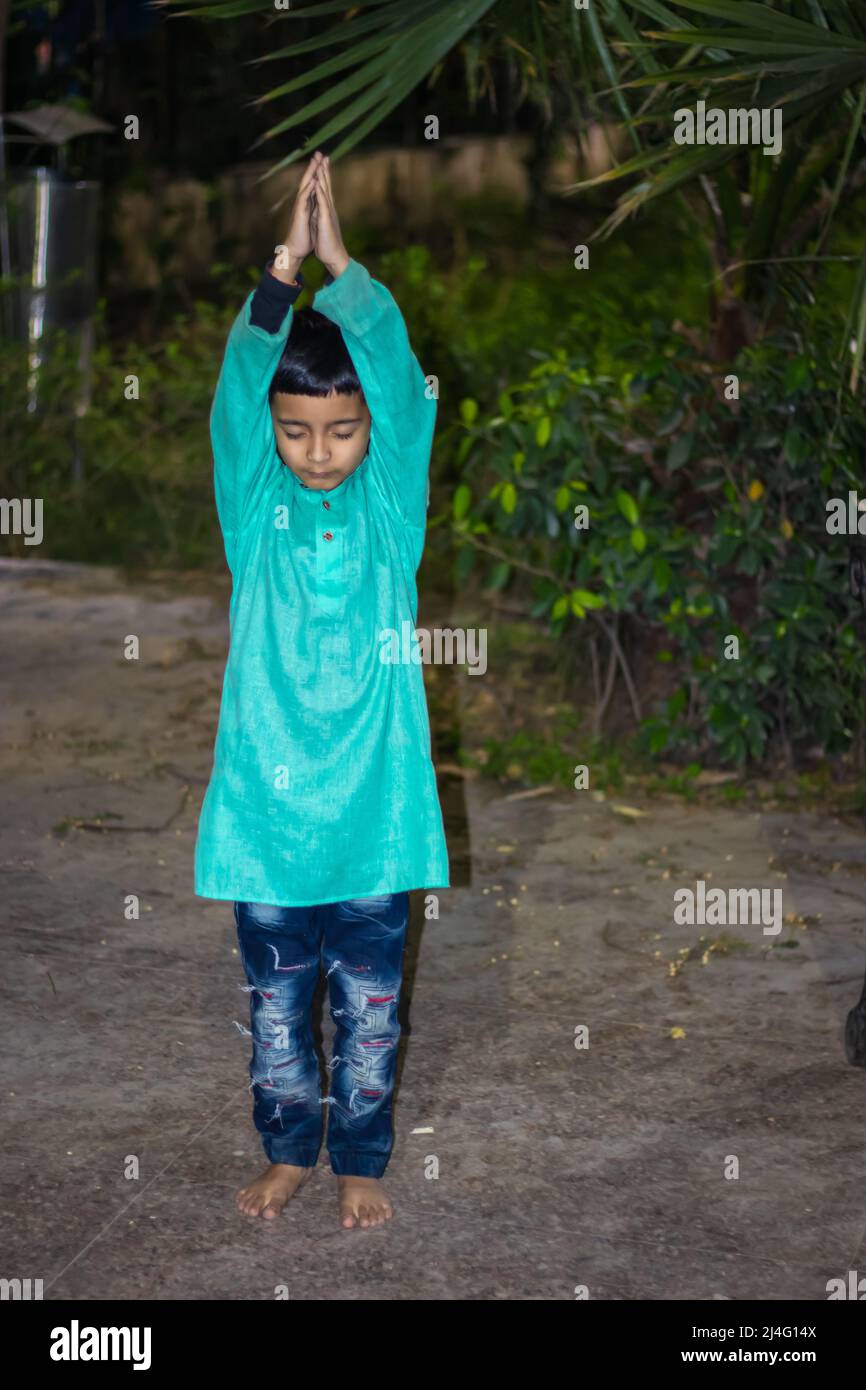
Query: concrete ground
{"points": [[524, 1167]]}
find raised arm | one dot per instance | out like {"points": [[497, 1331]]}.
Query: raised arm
{"points": [[242, 434], [394, 386], [403, 410]]}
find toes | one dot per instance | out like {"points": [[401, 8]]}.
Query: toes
{"points": [[372, 1211]]}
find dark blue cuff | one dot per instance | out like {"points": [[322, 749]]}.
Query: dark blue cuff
{"points": [[271, 300]]}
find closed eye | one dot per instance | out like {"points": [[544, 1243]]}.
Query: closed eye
{"points": [[336, 435]]}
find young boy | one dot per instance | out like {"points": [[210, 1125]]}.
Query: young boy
{"points": [[322, 811]]}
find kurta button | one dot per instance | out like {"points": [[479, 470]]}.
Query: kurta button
{"points": [[329, 535], [327, 506]]}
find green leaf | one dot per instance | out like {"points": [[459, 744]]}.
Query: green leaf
{"points": [[542, 434], [462, 502], [796, 374], [585, 598], [798, 447], [465, 562], [658, 741], [638, 540], [561, 607], [508, 498], [464, 448], [662, 574], [469, 411], [677, 702], [627, 506]]}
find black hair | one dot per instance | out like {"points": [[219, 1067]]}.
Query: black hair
{"points": [[315, 360]]}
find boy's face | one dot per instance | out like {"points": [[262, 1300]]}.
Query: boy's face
{"points": [[322, 439]]}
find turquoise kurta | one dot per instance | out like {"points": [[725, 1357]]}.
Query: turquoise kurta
{"points": [[323, 786]]}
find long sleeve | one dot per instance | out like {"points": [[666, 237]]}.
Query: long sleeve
{"points": [[242, 433], [394, 386]]}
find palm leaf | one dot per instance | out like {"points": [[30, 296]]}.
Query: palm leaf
{"points": [[387, 51], [415, 47], [798, 65]]}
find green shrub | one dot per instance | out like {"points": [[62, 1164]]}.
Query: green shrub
{"points": [[141, 494], [706, 519]]}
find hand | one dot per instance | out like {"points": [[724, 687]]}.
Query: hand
{"points": [[327, 237], [299, 240]]}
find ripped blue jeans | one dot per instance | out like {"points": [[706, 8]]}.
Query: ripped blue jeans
{"points": [[360, 943]]}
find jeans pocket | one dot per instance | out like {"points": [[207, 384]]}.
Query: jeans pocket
{"points": [[266, 915]]}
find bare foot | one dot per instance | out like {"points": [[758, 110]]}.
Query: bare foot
{"points": [[363, 1201], [270, 1191]]}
